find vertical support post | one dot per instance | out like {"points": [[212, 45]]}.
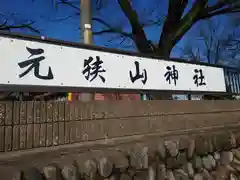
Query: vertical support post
{"points": [[86, 32]]}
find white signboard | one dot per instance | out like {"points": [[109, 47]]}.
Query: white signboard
{"points": [[35, 63]]}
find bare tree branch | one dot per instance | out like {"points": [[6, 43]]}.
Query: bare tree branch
{"points": [[215, 44], [29, 26], [220, 4], [138, 33], [110, 29], [68, 3], [5, 26], [189, 19], [175, 12], [173, 32], [113, 31], [116, 30], [219, 12]]}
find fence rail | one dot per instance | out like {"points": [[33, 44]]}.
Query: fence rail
{"points": [[232, 80]]}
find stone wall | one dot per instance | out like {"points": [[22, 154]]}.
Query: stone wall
{"points": [[126, 140], [200, 157]]}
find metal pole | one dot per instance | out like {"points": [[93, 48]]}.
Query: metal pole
{"points": [[86, 20], [86, 32]]}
